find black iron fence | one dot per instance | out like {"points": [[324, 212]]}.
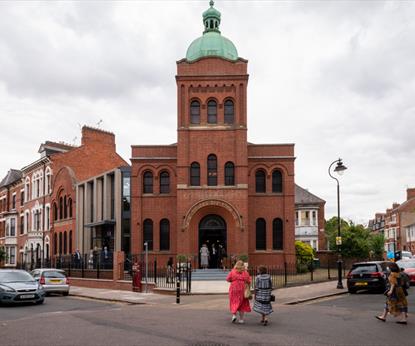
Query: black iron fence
{"points": [[99, 266], [159, 276]]}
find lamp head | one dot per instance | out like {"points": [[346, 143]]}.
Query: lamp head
{"points": [[340, 168]]}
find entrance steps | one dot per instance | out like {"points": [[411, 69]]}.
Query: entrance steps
{"points": [[209, 275]]}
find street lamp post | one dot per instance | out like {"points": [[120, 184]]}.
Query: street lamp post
{"points": [[339, 169]]}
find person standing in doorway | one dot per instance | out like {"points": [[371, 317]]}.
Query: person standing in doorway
{"points": [[240, 280], [263, 291], [213, 257], [204, 256]]}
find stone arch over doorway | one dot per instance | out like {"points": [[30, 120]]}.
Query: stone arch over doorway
{"points": [[236, 236], [212, 203]]}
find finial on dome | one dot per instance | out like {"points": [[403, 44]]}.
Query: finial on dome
{"points": [[211, 3]]}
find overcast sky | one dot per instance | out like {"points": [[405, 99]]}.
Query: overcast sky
{"points": [[337, 78]]}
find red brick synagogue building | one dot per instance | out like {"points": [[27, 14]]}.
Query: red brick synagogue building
{"points": [[213, 186]]}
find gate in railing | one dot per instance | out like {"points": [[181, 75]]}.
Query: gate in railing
{"points": [[161, 277]]}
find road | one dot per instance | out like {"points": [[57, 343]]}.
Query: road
{"points": [[203, 320]]}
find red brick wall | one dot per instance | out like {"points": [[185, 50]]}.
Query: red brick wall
{"points": [[238, 205], [96, 155]]}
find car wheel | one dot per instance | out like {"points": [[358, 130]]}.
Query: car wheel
{"points": [[65, 294], [39, 302], [352, 290]]}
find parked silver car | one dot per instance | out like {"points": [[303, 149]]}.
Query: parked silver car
{"points": [[52, 280], [18, 286]]}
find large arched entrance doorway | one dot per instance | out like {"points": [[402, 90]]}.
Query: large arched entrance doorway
{"points": [[212, 232]]}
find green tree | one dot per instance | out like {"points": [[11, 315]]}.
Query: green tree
{"points": [[357, 240], [3, 255], [377, 245], [331, 230]]}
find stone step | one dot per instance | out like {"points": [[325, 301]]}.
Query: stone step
{"points": [[209, 275]]}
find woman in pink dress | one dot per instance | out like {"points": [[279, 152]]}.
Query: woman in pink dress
{"points": [[238, 278]]}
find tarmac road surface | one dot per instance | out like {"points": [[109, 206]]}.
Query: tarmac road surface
{"points": [[342, 320]]}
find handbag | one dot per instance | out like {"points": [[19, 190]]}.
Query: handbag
{"points": [[272, 298], [247, 292]]}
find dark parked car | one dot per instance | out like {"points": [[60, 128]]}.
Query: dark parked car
{"points": [[369, 276], [18, 286]]}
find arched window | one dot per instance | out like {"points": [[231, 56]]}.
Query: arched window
{"points": [[27, 189], [195, 112], [229, 112], [261, 235], [55, 212], [212, 172], [60, 208], [260, 185], [276, 181], [60, 244], [47, 181], [55, 244], [212, 110], [65, 208], [164, 182], [229, 173], [164, 235], [70, 242], [277, 234], [195, 174], [148, 234], [65, 243], [148, 182], [70, 207]]}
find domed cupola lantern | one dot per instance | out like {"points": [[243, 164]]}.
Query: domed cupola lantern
{"points": [[211, 18], [212, 43]]}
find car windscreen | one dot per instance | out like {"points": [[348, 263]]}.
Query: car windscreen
{"points": [[50, 274], [15, 277], [406, 264], [364, 268]]}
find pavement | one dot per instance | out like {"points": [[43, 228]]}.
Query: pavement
{"points": [[286, 296]]}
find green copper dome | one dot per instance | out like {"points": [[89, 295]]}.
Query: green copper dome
{"points": [[212, 43]]}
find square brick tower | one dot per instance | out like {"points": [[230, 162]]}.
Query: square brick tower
{"points": [[213, 187]]}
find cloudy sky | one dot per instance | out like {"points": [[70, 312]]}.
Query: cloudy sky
{"points": [[337, 78]]}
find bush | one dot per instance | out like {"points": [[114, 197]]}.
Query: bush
{"points": [[305, 256]]}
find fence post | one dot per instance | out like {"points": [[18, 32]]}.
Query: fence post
{"points": [[312, 269], [189, 278], [155, 272], [98, 265], [328, 268], [285, 274], [69, 269], [178, 283], [82, 266]]}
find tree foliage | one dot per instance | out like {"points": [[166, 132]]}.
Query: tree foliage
{"points": [[357, 240], [305, 256], [2, 254]]}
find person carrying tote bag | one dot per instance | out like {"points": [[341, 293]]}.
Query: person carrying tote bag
{"points": [[239, 279], [263, 294]]}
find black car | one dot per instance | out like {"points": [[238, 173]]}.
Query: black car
{"points": [[369, 276]]}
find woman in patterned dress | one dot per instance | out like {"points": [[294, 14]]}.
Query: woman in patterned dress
{"points": [[263, 290], [238, 277], [396, 303]]}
